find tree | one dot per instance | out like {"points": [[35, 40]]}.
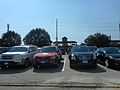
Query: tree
{"points": [[0, 42], [38, 37], [98, 39], [10, 39]]}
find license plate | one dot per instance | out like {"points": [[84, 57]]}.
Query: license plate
{"points": [[6, 63], [84, 61], [42, 62]]}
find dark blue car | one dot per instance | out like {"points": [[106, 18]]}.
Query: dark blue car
{"points": [[82, 56]]}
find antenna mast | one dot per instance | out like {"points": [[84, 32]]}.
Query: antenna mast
{"points": [[56, 31]]}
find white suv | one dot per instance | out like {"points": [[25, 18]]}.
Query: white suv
{"points": [[18, 55]]}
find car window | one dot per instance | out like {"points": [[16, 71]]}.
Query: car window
{"points": [[92, 48], [4, 50], [18, 49], [112, 51], [80, 49], [48, 49], [32, 49]]}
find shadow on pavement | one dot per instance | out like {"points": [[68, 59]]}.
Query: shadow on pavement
{"points": [[115, 68], [49, 69], [99, 69], [14, 70]]}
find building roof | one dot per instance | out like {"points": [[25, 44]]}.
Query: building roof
{"points": [[65, 42]]}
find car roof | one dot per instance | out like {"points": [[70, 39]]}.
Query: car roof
{"points": [[49, 46], [25, 46], [4, 47], [109, 47], [80, 46]]}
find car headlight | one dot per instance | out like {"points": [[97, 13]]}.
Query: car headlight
{"points": [[110, 57], [73, 57], [53, 57], [17, 57]]}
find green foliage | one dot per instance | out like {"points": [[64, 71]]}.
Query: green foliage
{"points": [[38, 37], [10, 39], [0, 42], [98, 39]]}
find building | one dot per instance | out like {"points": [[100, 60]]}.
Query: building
{"points": [[65, 45], [115, 43]]}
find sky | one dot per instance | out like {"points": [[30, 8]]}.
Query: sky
{"points": [[77, 19]]}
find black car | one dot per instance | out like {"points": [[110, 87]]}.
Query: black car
{"points": [[108, 56], [92, 48], [81, 56]]}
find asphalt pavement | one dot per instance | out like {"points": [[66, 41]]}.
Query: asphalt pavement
{"points": [[61, 77]]}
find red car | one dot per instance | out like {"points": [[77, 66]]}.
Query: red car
{"points": [[48, 55]]}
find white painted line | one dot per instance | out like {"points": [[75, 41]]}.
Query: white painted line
{"points": [[64, 65]]}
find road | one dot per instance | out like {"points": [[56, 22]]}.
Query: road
{"points": [[63, 76]]}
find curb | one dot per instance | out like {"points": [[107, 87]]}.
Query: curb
{"points": [[68, 85]]}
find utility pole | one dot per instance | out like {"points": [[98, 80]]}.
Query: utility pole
{"points": [[8, 27], [119, 31], [56, 31]]}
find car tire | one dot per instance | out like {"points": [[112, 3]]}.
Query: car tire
{"points": [[3, 67], [35, 66], [107, 63], [56, 65], [95, 66], [71, 65], [26, 64]]}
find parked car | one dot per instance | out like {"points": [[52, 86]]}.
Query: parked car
{"points": [[39, 48], [92, 48], [4, 49], [81, 56], [48, 55], [108, 56], [18, 55]]}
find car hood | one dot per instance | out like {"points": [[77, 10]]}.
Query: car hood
{"points": [[45, 54], [114, 55], [82, 53], [9, 53]]}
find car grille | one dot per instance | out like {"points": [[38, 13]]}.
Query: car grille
{"points": [[82, 57], [7, 57], [43, 58], [117, 58]]}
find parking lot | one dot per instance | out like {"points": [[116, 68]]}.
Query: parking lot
{"points": [[63, 76]]}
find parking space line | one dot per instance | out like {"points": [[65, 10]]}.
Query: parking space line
{"points": [[64, 65]]}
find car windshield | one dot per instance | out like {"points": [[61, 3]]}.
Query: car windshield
{"points": [[92, 48], [18, 49], [112, 51], [48, 49], [4, 49], [80, 49]]}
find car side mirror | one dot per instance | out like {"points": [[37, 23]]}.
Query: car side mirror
{"points": [[29, 51]]}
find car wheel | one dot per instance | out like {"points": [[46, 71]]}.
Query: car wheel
{"points": [[95, 66], [3, 67], [107, 63], [35, 66], [26, 64], [56, 65], [71, 65]]}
